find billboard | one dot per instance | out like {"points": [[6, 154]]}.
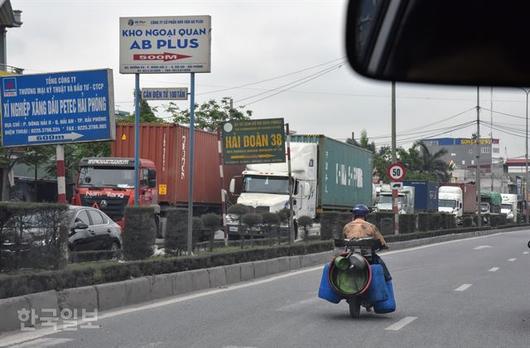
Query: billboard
{"points": [[155, 45], [57, 108], [253, 141]]}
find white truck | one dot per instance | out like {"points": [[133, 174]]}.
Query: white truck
{"points": [[450, 200], [405, 200], [509, 206], [327, 175]]}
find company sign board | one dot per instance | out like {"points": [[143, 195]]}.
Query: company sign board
{"points": [[57, 108], [155, 45], [253, 141], [165, 93]]}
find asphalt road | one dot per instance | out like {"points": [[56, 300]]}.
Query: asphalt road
{"points": [[465, 293]]}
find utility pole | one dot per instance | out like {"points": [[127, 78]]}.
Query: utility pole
{"points": [[394, 159], [491, 136], [527, 91], [479, 218]]}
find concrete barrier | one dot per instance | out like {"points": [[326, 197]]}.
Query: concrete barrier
{"points": [[161, 286], [44, 303], [111, 295], [84, 298], [261, 268], [200, 279], [283, 264], [9, 307], [295, 262], [233, 273], [217, 277], [182, 282], [247, 271], [137, 290]]}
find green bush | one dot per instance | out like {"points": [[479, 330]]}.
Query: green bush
{"points": [[305, 222], [467, 221], [97, 273], [407, 223], [176, 230], [139, 234], [271, 223], [332, 223], [211, 222]]}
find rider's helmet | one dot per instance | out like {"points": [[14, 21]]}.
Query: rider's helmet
{"points": [[360, 210]]}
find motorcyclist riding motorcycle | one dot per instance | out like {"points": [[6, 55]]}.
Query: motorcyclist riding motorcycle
{"points": [[360, 228]]}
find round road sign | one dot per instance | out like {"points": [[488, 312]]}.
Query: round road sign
{"points": [[396, 171]]}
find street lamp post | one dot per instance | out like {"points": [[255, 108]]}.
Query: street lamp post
{"points": [[526, 91]]}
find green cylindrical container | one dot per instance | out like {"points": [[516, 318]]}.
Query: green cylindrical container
{"points": [[351, 281]]}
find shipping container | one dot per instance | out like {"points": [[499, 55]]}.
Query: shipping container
{"points": [[167, 145], [344, 173], [426, 195], [469, 191]]}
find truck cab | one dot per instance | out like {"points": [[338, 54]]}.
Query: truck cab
{"points": [[509, 206], [107, 183], [266, 186], [405, 200], [451, 200]]}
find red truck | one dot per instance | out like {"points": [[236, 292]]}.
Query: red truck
{"points": [[108, 183]]}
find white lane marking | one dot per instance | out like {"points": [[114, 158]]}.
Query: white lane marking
{"points": [[480, 247], [493, 269], [43, 342], [239, 347], [463, 287], [512, 259], [25, 336], [525, 252], [401, 324], [294, 305]]}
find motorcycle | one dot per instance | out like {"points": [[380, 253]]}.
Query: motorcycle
{"points": [[356, 276]]}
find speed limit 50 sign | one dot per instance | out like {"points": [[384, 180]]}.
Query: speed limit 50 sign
{"points": [[396, 171]]}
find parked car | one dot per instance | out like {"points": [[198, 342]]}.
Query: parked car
{"points": [[88, 229], [92, 229]]}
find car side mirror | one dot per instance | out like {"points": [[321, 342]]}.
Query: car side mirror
{"points": [[80, 226]]}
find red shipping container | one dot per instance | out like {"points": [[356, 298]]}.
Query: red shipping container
{"points": [[167, 145]]}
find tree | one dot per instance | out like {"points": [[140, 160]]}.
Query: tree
{"points": [[210, 115], [363, 142], [147, 114], [433, 163]]}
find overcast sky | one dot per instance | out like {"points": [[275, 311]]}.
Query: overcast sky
{"points": [[254, 40]]}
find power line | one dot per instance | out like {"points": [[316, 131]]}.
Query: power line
{"points": [[273, 78], [426, 125], [290, 85]]}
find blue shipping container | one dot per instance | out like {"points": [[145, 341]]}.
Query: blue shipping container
{"points": [[425, 195]]}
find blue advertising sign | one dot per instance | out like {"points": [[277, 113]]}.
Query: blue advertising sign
{"points": [[57, 108]]}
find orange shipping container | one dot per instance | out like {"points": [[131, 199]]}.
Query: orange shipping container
{"points": [[167, 145]]}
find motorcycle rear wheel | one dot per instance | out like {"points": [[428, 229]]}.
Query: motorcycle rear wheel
{"points": [[355, 307]]}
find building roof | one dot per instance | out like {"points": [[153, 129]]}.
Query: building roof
{"points": [[8, 17]]}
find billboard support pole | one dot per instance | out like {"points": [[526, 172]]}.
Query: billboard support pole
{"points": [[136, 139], [61, 171], [191, 163], [291, 186], [222, 175]]}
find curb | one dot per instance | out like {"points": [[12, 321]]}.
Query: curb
{"points": [[144, 289]]}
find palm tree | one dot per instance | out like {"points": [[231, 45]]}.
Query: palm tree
{"points": [[433, 162]]}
